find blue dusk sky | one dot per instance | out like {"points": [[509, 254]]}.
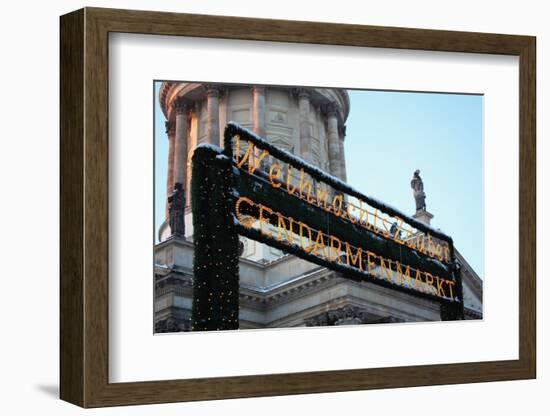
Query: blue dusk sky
{"points": [[390, 135]]}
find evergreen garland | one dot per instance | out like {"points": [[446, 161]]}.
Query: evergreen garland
{"points": [[216, 243]]}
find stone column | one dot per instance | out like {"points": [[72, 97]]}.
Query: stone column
{"points": [[305, 124], [334, 156], [212, 116], [192, 116], [170, 132], [258, 110], [343, 154], [180, 146]]}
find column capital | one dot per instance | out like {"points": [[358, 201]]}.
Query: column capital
{"points": [[180, 105], [212, 90], [302, 93], [330, 109]]}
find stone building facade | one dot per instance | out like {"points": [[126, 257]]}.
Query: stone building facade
{"points": [[276, 289]]}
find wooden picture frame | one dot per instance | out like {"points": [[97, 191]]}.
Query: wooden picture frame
{"points": [[84, 207]]}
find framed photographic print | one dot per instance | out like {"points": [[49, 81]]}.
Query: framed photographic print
{"points": [[254, 207]]}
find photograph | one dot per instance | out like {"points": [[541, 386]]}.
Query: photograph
{"points": [[280, 206]]}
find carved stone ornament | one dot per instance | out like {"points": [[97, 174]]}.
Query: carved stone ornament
{"points": [[418, 191], [180, 105], [176, 210]]}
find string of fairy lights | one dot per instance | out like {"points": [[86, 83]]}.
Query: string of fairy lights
{"points": [[216, 260]]}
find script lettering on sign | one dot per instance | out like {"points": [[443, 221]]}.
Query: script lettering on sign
{"points": [[273, 224], [283, 201], [354, 210]]}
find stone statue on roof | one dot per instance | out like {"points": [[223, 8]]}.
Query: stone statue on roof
{"points": [[176, 210], [418, 191]]}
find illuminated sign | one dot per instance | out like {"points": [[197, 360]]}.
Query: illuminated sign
{"points": [[269, 195]]}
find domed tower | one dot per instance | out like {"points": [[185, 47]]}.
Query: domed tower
{"points": [[308, 122]]}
